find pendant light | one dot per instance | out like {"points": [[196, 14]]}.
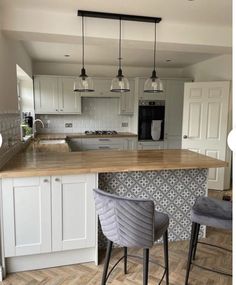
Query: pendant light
{"points": [[153, 84], [120, 83], [83, 83]]}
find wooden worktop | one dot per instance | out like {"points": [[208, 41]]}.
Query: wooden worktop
{"points": [[45, 164]]}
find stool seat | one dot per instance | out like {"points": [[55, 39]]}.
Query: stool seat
{"points": [[161, 223], [212, 212]]}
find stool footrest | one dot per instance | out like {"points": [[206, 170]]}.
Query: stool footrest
{"points": [[213, 245], [212, 270]]}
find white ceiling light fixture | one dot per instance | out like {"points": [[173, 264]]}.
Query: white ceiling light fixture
{"points": [[153, 84], [120, 83], [83, 83]]}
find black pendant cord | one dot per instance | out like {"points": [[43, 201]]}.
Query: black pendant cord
{"points": [[83, 41], [120, 47], [155, 45]]}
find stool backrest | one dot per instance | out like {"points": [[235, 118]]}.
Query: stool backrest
{"points": [[125, 221]]}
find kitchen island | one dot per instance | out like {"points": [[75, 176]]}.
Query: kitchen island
{"points": [[49, 216]]}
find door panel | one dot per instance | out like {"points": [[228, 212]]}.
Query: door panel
{"points": [[205, 123], [73, 212], [70, 101], [195, 120], [26, 216]]}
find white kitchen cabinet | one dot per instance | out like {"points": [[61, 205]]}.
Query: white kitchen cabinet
{"points": [[126, 106], [145, 145], [55, 95], [69, 101], [73, 212], [26, 213], [103, 143], [46, 94], [48, 214]]}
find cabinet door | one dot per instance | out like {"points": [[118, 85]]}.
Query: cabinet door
{"points": [[26, 216], [73, 212], [46, 95], [70, 101], [127, 103]]}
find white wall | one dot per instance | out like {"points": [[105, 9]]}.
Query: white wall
{"points": [[11, 53], [217, 68], [70, 69]]}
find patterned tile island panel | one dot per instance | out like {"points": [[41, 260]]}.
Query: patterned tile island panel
{"points": [[173, 192]]}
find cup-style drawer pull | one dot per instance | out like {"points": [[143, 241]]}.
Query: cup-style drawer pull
{"points": [[57, 180], [104, 140], [45, 181], [185, 137]]}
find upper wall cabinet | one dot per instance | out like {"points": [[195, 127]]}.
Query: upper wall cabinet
{"points": [[126, 106], [55, 95]]}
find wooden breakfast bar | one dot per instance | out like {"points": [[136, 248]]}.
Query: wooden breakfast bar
{"points": [[63, 183]]}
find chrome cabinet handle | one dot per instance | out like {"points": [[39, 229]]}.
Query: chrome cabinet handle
{"points": [[104, 140], [45, 181], [104, 147], [57, 180]]}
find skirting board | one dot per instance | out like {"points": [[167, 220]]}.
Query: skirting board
{"points": [[39, 261]]}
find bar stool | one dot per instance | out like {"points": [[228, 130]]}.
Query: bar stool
{"points": [[209, 212], [131, 223]]}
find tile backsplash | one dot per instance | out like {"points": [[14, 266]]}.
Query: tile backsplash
{"points": [[97, 114], [10, 131]]}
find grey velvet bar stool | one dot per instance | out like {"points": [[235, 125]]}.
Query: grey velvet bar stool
{"points": [[209, 212], [131, 223]]}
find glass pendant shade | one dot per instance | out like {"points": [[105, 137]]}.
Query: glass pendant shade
{"points": [[120, 83], [153, 84], [83, 83]]}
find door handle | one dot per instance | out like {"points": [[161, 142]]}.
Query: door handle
{"points": [[185, 137]]}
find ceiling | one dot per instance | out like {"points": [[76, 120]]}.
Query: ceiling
{"points": [[205, 13], [107, 54], [170, 10]]}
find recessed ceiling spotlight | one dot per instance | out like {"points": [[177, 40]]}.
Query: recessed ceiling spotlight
{"points": [[66, 55], [168, 60]]}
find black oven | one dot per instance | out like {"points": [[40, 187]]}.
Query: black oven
{"points": [[149, 112]]}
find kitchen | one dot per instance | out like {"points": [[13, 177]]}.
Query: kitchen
{"points": [[118, 120]]}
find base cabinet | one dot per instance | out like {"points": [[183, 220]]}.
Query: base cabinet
{"points": [[48, 214], [26, 216], [73, 212]]}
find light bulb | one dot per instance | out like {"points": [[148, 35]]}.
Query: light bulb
{"points": [[121, 84]]}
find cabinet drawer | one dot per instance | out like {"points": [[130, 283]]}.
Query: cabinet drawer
{"points": [[102, 147], [101, 141]]}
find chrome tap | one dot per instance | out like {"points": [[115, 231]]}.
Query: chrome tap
{"points": [[34, 125]]}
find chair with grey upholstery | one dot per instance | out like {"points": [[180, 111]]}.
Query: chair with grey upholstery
{"points": [[209, 212], [132, 223]]}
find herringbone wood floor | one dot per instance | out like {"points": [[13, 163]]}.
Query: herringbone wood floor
{"points": [[89, 274]]}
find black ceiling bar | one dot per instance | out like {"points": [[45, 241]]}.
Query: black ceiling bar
{"points": [[114, 16]]}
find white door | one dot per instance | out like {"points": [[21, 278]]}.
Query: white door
{"points": [[70, 101], [26, 215], [46, 95], [73, 212], [205, 120]]}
